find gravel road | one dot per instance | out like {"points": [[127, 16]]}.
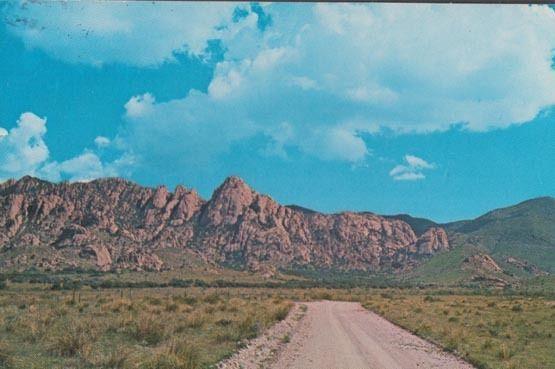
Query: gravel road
{"points": [[344, 335]]}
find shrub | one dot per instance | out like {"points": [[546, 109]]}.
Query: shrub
{"points": [[494, 331], [504, 353], [451, 344], [116, 358], [172, 308], [281, 312], [155, 301], [5, 356], [224, 322], [517, 307], [286, 338], [212, 298], [227, 335], [161, 361], [180, 356], [147, 330], [70, 337], [488, 344], [195, 320], [187, 355], [249, 327]]}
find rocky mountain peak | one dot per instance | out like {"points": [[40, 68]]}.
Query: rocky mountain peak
{"points": [[228, 202], [114, 223], [233, 184]]}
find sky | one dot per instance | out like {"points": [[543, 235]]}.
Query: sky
{"points": [[438, 111]]}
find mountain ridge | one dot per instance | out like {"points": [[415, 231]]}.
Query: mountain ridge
{"points": [[113, 223], [519, 238]]}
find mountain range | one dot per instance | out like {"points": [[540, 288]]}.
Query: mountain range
{"points": [[114, 224]]}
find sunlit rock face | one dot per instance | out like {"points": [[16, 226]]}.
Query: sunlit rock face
{"points": [[115, 224]]}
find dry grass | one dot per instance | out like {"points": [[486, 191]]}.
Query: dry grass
{"points": [[151, 328], [186, 328], [488, 331]]}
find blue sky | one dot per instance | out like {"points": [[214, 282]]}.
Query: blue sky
{"points": [[440, 111]]}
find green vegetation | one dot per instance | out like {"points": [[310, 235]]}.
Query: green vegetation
{"points": [[445, 268], [195, 327], [525, 231], [489, 331]]}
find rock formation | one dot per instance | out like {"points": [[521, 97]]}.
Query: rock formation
{"points": [[482, 262], [113, 223], [525, 266]]}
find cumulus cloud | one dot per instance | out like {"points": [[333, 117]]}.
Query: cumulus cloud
{"points": [[24, 152], [23, 149], [139, 105], [412, 170], [84, 167], [142, 34], [329, 65], [101, 142], [319, 68]]}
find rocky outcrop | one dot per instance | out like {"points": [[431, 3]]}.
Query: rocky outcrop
{"points": [[433, 240], [113, 223], [101, 254], [525, 266], [482, 262]]}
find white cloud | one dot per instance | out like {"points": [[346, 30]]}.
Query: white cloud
{"points": [[411, 68], [101, 142], [427, 67], [24, 152], [304, 82], [338, 143], [412, 170], [418, 163], [139, 105], [23, 149], [134, 33], [408, 176], [406, 67], [372, 94], [84, 167]]}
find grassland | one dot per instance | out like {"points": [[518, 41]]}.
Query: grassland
{"points": [[493, 331], [133, 328], [43, 326]]}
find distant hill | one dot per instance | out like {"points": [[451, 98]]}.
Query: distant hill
{"points": [[520, 238], [525, 231], [419, 225]]}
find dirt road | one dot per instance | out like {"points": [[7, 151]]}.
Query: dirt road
{"points": [[344, 335]]}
